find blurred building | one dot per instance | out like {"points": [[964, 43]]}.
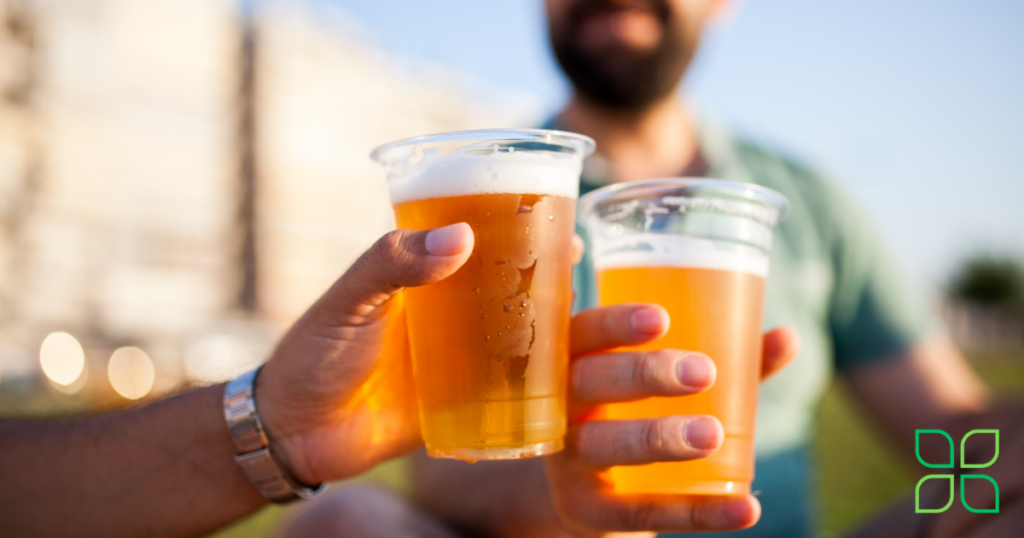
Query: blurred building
{"points": [[187, 177], [120, 187], [324, 99]]}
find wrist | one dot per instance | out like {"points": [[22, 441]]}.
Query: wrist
{"points": [[280, 428], [288, 452], [253, 452]]}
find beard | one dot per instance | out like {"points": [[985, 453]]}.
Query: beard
{"points": [[619, 79]]}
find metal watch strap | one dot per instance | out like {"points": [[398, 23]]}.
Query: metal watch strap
{"points": [[253, 450]]}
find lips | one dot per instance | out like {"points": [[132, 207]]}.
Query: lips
{"points": [[618, 24]]}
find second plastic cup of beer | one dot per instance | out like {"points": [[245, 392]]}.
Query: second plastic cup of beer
{"points": [[490, 344], [699, 248]]}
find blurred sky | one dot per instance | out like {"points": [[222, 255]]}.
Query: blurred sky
{"points": [[916, 106]]}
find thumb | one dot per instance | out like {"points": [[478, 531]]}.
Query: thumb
{"points": [[402, 258]]}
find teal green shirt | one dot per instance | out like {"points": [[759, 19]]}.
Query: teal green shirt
{"points": [[830, 279]]}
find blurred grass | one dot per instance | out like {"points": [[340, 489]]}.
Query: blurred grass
{"points": [[857, 473]]}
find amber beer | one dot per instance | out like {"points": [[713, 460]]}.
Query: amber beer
{"points": [[714, 312], [489, 344], [700, 249]]}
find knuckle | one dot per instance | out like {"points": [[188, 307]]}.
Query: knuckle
{"points": [[575, 437], [388, 247], [654, 372], [698, 519], [645, 370], [652, 436], [640, 516]]}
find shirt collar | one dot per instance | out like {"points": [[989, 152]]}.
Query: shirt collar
{"points": [[722, 153], [715, 142]]}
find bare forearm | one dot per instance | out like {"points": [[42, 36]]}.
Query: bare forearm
{"points": [[488, 499], [930, 386], [166, 469]]}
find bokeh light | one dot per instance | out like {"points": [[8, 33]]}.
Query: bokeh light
{"points": [[62, 359], [131, 372]]}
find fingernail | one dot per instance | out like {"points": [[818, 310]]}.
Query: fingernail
{"points": [[739, 512], [695, 372], [702, 433], [647, 321], [447, 241]]}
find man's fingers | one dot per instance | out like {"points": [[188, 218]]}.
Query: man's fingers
{"points": [[604, 443], [597, 329], [664, 513], [780, 346], [661, 513], [402, 258], [577, 249], [621, 377]]}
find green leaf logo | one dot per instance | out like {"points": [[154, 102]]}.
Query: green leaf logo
{"points": [[963, 442], [949, 477], [917, 450], [963, 500], [917, 494]]}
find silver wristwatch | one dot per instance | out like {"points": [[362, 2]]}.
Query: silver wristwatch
{"points": [[252, 447]]}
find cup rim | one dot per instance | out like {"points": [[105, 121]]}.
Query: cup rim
{"points": [[737, 189], [583, 144]]}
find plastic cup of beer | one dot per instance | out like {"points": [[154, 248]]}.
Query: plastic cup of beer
{"points": [[490, 344], [699, 248]]}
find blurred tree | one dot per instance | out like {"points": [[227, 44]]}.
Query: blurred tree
{"points": [[990, 281]]}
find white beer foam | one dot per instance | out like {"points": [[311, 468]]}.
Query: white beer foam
{"points": [[664, 250], [462, 173]]}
